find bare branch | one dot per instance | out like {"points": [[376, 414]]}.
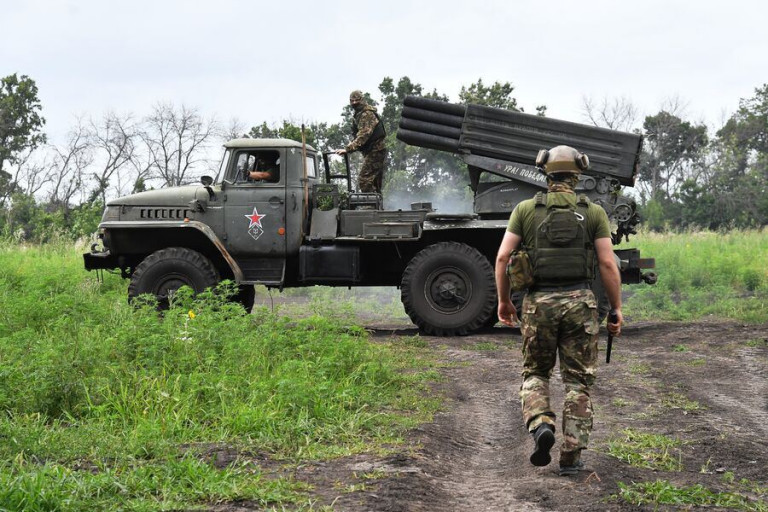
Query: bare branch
{"points": [[175, 140], [613, 113], [114, 141]]}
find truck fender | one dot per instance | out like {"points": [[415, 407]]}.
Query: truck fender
{"points": [[191, 224]]}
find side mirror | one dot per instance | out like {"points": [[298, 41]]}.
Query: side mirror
{"points": [[207, 181]]}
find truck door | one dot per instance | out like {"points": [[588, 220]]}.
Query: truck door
{"points": [[254, 214]]}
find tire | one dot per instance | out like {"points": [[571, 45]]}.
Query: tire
{"points": [[165, 271], [246, 297], [448, 289]]}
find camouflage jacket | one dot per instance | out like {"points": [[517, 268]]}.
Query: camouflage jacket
{"points": [[366, 122]]}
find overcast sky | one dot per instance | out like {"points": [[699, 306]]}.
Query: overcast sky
{"points": [[265, 61]]}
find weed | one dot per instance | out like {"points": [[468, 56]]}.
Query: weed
{"points": [[680, 401], [697, 362], [698, 278], [620, 402], [639, 368], [652, 451], [376, 474], [662, 492], [757, 342], [415, 342], [88, 381], [680, 348]]}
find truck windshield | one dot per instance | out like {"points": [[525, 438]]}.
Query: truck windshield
{"points": [[223, 167]]}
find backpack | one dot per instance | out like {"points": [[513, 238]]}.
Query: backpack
{"points": [[562, 254]]}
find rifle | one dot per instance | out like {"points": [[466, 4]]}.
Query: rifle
{"points": [[612, 319]]}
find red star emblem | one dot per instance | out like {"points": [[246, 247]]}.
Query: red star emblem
{"points": [[255, 218]]}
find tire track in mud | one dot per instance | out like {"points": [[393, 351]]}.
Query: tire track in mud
{"points": [[475, 455], [471, 451]]}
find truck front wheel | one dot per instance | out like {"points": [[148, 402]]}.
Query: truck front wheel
{"points": [[165, 271], [448, 289]]}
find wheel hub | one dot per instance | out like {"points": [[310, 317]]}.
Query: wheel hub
{"points": [[448, 289]]}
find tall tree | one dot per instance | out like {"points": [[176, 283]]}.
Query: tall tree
{"points": [[498, 95], [673, 153], [175, 139], [68, 168], [612, 113], [20, 123], [741, 163], [114, 142]]}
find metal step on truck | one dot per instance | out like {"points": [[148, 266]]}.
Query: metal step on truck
{"points": [[301, 228]]}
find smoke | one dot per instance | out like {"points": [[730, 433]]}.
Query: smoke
{"points": [[443, 199]]}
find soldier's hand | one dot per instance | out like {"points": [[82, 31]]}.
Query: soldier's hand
{"points": [[341, 151], [507, 313], [615, 328]]}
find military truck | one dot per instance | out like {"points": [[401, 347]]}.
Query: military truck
{"points": [[302, 227]]}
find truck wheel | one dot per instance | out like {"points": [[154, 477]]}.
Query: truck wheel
{"points": [[448, 289], [165, 271]]}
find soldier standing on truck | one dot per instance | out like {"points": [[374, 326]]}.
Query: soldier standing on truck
{"points": [[369, 139], [561, 232]]}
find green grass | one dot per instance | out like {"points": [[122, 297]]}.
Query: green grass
{"points": [[662, 492], [103, 406], [701, 274], [652, 451], [680, 401], [639, 368]]}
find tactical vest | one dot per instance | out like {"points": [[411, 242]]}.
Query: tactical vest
{"points": [[562, 254], [377, 134]]}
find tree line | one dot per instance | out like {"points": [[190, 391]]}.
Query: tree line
{"points": [[689, 176]]}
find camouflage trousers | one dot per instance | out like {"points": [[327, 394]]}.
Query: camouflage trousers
{"points": [[372, 172], [560, 324]]}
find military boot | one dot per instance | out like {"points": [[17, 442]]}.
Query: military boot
{"points": [[544, 437], [571, 469]]}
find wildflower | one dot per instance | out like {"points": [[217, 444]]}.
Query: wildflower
{"points": [[191, 314]]}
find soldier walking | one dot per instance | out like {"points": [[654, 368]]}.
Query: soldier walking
{"points": [[561, 232], [369, 139]]}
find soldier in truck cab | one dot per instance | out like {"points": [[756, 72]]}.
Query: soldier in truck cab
{"points": [[369, 134], [264, 167]]}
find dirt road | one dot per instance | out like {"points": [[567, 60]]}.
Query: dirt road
{"points": [[704, 384]]}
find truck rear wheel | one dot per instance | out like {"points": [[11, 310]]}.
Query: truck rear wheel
{"points": [[165, 271], [448, 289]]}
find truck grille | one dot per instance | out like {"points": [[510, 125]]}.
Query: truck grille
{"points": [[164, 213]]}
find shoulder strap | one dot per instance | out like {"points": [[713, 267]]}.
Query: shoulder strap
{"points": [[540, 199]]}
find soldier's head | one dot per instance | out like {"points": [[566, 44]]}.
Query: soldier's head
{"points": [[356, 99], [562, 164]]}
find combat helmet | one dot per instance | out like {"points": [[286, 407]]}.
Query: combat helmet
{"points": [[562, 159]]}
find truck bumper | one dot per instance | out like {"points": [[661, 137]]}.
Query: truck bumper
{"points": [[100, 260], [631, 266]]}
